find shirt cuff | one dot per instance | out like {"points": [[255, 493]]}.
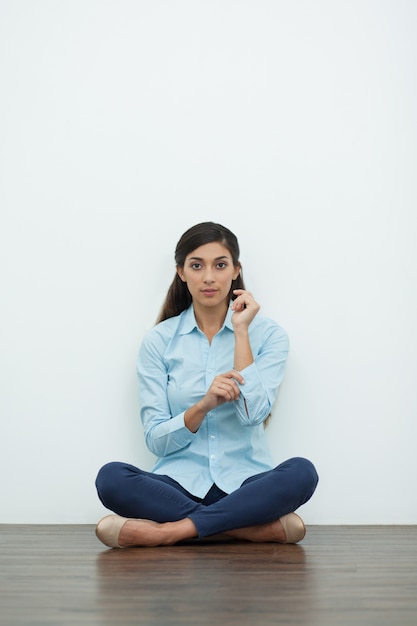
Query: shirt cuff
{"points": [[251, 377], [177, 431]]}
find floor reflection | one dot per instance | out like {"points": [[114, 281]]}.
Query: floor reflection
{"points": [[235, 582]]}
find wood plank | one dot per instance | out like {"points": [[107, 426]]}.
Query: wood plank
{"points": [[339, 575]]}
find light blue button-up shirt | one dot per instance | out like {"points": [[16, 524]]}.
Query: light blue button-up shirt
{"points": [[176, 365]]}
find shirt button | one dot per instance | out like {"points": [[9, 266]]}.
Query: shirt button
{"points": [[212, 437], [212, 456]]}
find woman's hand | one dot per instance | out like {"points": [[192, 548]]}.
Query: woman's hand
{"points": [[224, 388], [244, 309]]}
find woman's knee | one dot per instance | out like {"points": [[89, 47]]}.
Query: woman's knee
{"points": [[108, 476], [307, 472]]}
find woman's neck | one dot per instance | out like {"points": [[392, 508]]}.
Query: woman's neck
{"points": [[210, 320]]}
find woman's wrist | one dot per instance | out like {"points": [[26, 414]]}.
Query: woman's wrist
{"points": [[241, 330], [243, 353], [194, 416]]}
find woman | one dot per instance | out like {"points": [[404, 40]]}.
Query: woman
{"points": [[208, 375]]}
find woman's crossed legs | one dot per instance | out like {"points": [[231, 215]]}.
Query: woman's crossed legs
{"points": [[161, 512]]}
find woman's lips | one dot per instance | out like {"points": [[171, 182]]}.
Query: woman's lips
{"points": [[209, 292]]}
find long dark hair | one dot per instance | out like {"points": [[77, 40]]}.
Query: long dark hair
{"points": [[178, 297]]}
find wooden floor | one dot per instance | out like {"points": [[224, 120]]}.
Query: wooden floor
{"points": [[350, 575]]}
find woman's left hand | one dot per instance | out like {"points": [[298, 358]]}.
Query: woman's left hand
{"points": [[244, 308]]}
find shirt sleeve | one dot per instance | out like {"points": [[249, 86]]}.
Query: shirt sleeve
{"points": [[262, 378], [164, 433]]}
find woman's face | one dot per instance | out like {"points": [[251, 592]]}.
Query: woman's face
{"points": [[208, 272]]}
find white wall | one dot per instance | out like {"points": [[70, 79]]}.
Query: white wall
{"points": [[124, 122]]}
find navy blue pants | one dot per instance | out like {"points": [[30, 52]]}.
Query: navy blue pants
{"points": [[132, 492]]}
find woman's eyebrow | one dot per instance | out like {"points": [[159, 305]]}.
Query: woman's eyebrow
{"points": [[198, 258]]}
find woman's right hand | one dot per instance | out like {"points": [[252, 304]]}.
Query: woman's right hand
{"points": [[224, 388]]}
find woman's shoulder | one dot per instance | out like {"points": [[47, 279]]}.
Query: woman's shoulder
{"points": [[267, 324], [268, 337], [163, 332], [165, 327], [267, 332]]}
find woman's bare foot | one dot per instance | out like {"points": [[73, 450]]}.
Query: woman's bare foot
{"points": [[119, 532], [287, 529], [146, 533], [138, 532], [262, 533]]}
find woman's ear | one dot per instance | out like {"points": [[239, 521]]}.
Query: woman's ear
{"points": [[238, 267], [181, 273]]}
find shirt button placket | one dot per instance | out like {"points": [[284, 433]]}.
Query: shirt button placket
{"points": [[211, 416]]}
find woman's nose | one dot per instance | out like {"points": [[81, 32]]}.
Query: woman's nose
{"points": [[208, 276]]}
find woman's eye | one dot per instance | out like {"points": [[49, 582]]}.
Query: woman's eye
{"points": [[195, 266], [221, 265]]}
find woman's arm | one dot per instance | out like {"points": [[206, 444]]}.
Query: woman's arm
{"points": [[166, 433], [244, 310], [224, 388], [263, 377], [264, 371]]}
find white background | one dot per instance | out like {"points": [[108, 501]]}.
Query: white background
{"points": [[124, 122]]}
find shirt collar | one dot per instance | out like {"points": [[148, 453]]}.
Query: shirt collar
{"points": [[189, 321]]}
